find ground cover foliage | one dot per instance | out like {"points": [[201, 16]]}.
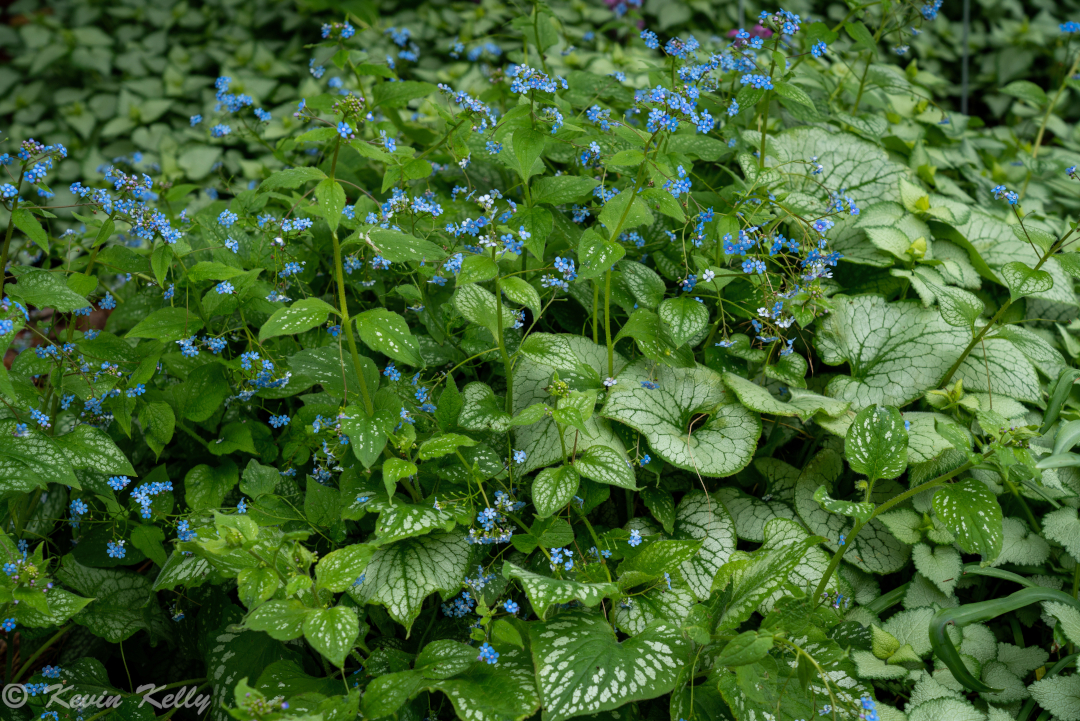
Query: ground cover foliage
{"points": [[495, 361]]}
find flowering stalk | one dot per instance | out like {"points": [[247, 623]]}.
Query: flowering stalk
{"points": [[343, 304], [7, 236], [508, 367], [1004, 306], [839, 555]]}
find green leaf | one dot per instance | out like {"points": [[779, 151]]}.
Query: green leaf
{"points": [[1059, 695], [606, 465], [339, 570], [755, 576], [32, 461], [393, 470], [442, 445], [477, 269], [553, 488], [121, 605], [481, 410], [148, 539], [795, 93], [597, 255], [624, 212], [1063, 527], [367, 436], [502, 631], [562, 189], [545, 591], [684, 318], [167, 324], [747, 647], [282, 620], [858, 32], [398, 247], [874, 550], [654, 560], [400, 576], [158, 423], [1023, 280], [958, 307], [521, 292], [581, 668], [205, 486], [90, 447], [971, 512], [690, 420], [703, 518], [404, 520], [896, 351], [45, 289], [27, 223], [940, 564], [291, 178], [527, 145], [479, 306], [386, 332], [160, 261], [506, 690], [258, 480], [396, 95], [858, 511], [332, 632], [877, 443], [1026, 90], [301, 316], [644, 282]]}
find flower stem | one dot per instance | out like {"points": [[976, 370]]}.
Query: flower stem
{"points": [[7, 237], [346, 323]]}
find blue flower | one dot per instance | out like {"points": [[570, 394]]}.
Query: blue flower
{"points": [[279, 421], [645, 460], [227, 218], [225, 288], [635, 538], [108, 302], [344, 130], [115, 549], [8, 624], [241, 507], [488, 654], [819, 48], [195, 120], [511, 607]]}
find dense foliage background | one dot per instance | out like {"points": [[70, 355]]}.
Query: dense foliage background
{"points": [[505, 361]]}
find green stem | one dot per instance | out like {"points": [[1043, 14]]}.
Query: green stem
{"points": [[862, 85], [7, 236], [839, 555], [596, 539], [42, 649], [343, 305], [508, 367], [595, 311], [1050, 109], [97, 247], [607, 325], [1001, 311]]}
